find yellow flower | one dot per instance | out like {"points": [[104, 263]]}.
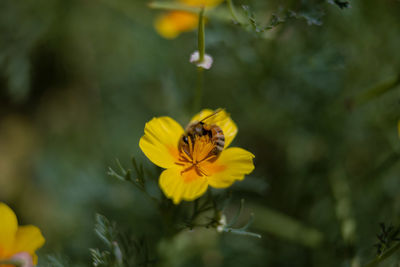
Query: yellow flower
{"points": [[16, 240], [187, 177], [170, 25]]}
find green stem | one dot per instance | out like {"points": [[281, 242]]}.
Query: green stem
{"points": [[202, 50], [172, 6], [199, 90], [201, 36], [385, 165], [232, 10], [17, 263], [378, 90], [383, 257]]}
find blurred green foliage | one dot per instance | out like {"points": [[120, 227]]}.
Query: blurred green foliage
{"points": [[316, 99]]}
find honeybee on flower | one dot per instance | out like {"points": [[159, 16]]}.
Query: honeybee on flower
{"points": [[17, 243], [197, 157], [169, 25]]}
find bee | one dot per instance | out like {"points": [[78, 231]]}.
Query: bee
{"points": [[199, 129]]}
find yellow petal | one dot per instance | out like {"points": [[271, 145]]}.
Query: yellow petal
{"points": [[233, 164], [187, 186], [28, 239], [223, 120], [35, 259], [8, 227], [160, 141], [171, 24], [200, 3]]}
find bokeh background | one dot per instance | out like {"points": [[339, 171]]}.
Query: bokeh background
{"points": [[315, 99]]}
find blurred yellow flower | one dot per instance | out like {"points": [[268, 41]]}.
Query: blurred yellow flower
{"points": [[17, 242], [170, 25], [187, 176]]}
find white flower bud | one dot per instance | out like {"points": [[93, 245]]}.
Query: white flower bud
{"points": [[24, 258], [221, 223], [205, 64]]}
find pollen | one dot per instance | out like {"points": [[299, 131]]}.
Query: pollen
{"points": [[200, 152]]}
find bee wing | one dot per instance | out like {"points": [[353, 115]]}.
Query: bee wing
{"points": [[210, 116], [215, 113]]}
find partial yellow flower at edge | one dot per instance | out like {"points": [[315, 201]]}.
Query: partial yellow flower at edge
{"points": [[187, 177], [170, 25], [16, 239]]}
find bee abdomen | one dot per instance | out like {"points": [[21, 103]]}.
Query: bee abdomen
{"points": [[218, 138]]}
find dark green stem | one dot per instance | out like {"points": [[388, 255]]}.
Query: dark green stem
{"points": [[16, 263], [378, 90], [232, 10], [384, 256], [199, 90], [201, 36]]}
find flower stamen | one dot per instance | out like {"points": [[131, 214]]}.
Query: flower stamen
{"points": [[190, 146], [200, 150]]}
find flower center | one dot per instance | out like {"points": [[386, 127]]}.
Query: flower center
{"points": [[200, 152]]}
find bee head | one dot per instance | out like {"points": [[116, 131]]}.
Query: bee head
{"points": [[198, 129]]}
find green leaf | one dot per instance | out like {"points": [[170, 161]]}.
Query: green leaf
{"points": [[105, 230], [54, 261], [285, 227], [237, 215], [100, 258], [378, 90], [241, 232]]}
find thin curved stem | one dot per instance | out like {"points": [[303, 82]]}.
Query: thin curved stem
{"points": [[201, 36], [198, 98], [232, 10], [16, 263], [375, 262]]}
